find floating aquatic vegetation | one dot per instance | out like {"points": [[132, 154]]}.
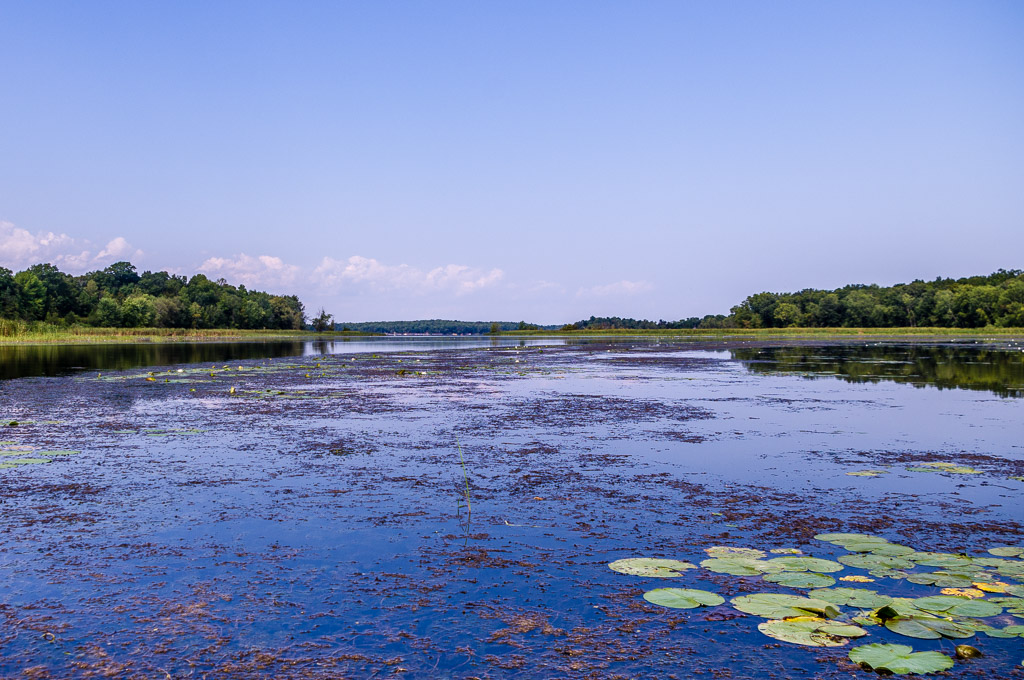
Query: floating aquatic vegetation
{"points": [[944, 579], [12, 462], [929, 628], [857, 578], [951, 468], [871, 561], [815, 564], [840, 539], [740, 566], [1001, 551], [651, 566], [861, 598], [937, 559], [899, 659], [811, 631], [729, 551], [780, 606], [866, 473], [972, 593], [683, 598], [875, 548], [958, 606], [1007, 632], [792, 579]]}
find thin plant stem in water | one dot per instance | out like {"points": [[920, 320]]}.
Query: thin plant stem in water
{"points": [[465, 479]]}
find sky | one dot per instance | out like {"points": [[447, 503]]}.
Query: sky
{"points": [[545, 161]]}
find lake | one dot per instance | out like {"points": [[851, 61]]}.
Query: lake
{"points": [[449, 507]]}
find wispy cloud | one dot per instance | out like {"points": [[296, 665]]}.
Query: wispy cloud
{"points": [[20, 248], [365, 272], [619, 288], [261, 271]]}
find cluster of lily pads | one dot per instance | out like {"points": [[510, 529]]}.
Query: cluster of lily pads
{"points": [[14, 455], [972, 588]]}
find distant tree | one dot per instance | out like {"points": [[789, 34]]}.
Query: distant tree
{"points": [[495, 328], [322, 321], [107, 313]]}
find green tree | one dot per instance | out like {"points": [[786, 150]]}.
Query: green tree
{"points": [[31, 296], [108, 313], [322, 321], [138, 311]]}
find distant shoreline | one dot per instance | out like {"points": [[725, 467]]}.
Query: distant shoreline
{"points": [[89, 335]]}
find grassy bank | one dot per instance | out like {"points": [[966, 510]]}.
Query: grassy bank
{"points": [[39, 333], [988, 331]]}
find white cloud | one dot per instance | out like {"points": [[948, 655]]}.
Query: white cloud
{"points": [[20, 248], [358, 271], [619, 288], [262, 271]]}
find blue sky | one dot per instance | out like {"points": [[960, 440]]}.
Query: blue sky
{"points": [[515, 160]]}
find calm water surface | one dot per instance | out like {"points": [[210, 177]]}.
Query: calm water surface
{"points": [[427, 508]]}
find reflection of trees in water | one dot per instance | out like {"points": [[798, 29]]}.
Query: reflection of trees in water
{"points": [[998, 371], [20, 361]]}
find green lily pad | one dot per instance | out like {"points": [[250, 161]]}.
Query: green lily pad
{"points": [[861, 598], [1007, 632], [899, 659], [866, 473], [1013, 605], [740, 566], [942, 579], [806, 564], [793, 579], [1007, 551], [780, 606], [958, 606], [841, 539], [929, 628], [10, 462], [872, 561], [683, 598], [939, 559], [875, 548], [651, 566], [811, 631], [729, 551]]}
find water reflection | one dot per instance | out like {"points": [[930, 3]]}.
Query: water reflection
{"points": [[22, 361], [1000, 371]]}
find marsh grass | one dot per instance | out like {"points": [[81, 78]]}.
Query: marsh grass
{"points": [[793, 332], [40, 332]]}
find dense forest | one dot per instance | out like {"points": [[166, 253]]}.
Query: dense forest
{"points": [[439, 327], [119, 296], [973, 302]]}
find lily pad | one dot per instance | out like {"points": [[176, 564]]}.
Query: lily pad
{"points": [[939, 559], [872, 561], [780, 606], [929, 628], [899, 659], [740, 566], [651, 566], [811, 631], [862, 598], [806, 564], [866, 473], [10, 462], [683, 598], [729, 551], [1007, 551], [958, 606], [875, 548], [840, 539], [792, 579], [942, 579], [1007, 632]]}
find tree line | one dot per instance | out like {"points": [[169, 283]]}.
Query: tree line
{"points": [[118, 296], [438, 326], [971, 302]]}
